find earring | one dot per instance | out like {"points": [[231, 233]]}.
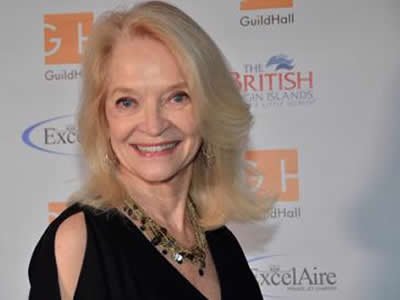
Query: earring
{"points": [[209, 156], [109, 162], [111, 159]]}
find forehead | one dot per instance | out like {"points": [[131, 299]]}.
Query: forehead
{"points": [[142, 60]]}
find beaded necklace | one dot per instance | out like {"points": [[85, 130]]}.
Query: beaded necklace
{"points": [[159, 236]]}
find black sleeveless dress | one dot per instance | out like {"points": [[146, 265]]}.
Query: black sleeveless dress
{"points": [[120, 263]]}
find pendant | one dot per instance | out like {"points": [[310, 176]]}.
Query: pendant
{"points": [[178, 258]]}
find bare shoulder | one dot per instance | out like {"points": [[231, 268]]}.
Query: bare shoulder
{"points": [[70, 245]]}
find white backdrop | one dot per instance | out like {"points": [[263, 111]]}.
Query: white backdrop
{"points": [[322, 79]]}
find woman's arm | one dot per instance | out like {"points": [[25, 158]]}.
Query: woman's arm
{"points": [[69, 246]]}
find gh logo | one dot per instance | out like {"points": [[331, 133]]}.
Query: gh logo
{"points": [[65, 36], [277, 172]]}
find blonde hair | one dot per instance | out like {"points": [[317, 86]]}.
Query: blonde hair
{"points": [[218, 186]]}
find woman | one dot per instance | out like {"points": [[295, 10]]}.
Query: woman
{"points": [[163, 128]]}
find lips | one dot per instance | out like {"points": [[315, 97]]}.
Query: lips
{"points": [[155, 148]]}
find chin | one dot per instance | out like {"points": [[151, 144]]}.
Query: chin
{"points": [[157, 177]]}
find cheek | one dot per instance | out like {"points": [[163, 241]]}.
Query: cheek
{"points": [[193, 133], [187, 123], [119, 129]]}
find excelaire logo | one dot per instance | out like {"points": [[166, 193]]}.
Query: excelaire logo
{"points": [[266, 19], [275, 83], [64, 39], [57, 135], [281, 276], [276, 173]]}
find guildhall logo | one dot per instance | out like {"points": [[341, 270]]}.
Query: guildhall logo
{"points": [[54, 209], [278, 172], [265, 4], [65, 36], [269, 19]]}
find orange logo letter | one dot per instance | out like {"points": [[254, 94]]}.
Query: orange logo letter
{"points": [[278, 172], [55, 208], [264, 4], [64, 37]]}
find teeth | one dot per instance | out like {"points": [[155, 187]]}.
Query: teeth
{"points": [[157, 148]]}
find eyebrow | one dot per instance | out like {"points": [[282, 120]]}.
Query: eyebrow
{"points": [[126, 90]]}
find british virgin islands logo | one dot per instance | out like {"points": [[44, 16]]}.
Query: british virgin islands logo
{"points": [[276, 82]]}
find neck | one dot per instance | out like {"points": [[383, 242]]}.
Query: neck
{"points": [[165, 201]]}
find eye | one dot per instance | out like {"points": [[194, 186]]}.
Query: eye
{"points": [[180, 97], [125, 102]]}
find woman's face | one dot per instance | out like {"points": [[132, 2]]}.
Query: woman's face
{"points": [[150, 112]]}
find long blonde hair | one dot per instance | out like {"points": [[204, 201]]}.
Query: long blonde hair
{"points": [[218, 186]]}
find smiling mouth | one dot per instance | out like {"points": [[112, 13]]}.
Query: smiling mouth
{"points": [[154, 149]]}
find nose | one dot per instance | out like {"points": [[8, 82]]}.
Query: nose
{"points": [[154, 123]]}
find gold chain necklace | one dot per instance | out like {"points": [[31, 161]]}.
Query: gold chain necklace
{"points": [[159, 236]]}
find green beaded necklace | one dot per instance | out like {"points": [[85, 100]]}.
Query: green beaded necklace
{"points": [[159, 236]]}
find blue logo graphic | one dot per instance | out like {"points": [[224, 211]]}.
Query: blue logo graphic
{"points": [[56, 135], [281, 62]]}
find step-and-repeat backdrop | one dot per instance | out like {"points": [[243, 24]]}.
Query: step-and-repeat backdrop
{"points": [[322, 79]]}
